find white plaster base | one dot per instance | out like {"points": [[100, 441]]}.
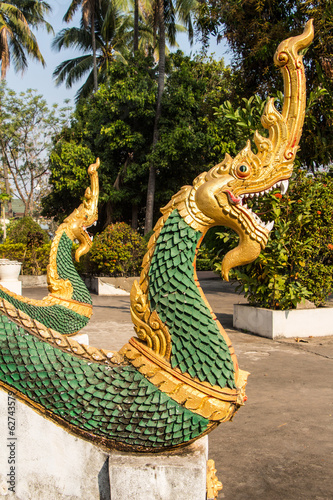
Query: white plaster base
{"points": [[290, 323], [107, 286], [13, 286], [49, 462], [33, 281], [177, 475]]}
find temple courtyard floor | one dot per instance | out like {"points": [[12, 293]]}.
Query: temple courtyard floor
{"points": [[280, 444]]}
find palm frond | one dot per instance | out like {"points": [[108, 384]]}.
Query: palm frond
{"points": [[72, 70], [76, 38]]}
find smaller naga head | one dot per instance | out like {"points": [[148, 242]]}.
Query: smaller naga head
{"points": [[86, 215], [220, 194]]}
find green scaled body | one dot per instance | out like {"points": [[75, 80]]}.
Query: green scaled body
{"points": [[198, 347], [55, 316], [116, 405]]}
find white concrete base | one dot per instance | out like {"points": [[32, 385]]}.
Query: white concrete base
{"points": [[13, 286], [33, 281], [49, 463], [105, 288], [175, 475], [40, 461], [291, 323], [109, 286]]}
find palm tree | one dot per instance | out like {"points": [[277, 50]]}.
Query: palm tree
{"points": [[164, 16], [16, 39], [112, 34], [90, 10]]}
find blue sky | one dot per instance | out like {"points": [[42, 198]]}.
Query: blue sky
{"points": [[39, 78]]}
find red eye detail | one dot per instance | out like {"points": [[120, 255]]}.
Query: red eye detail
{"points": [[243, 171]]}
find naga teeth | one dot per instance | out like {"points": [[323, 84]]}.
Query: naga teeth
{"points": [[284, 186], [95, 223], [270, 225]]}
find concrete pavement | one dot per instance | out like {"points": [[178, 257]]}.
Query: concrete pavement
{"points": [[280, 445]]}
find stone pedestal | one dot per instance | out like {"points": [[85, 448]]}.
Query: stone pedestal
{"points": [[177, 475], [44, 461]]}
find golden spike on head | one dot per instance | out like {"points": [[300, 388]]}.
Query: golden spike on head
{"points": [[83, 217]]}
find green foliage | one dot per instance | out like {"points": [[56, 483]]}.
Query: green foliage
{"points": [[117, 126], [17, 39], [297, 262], [191, 138], [117, 251], [26, 231], [254, 30], [34, 260], [68, 164], [204, 260], [112, 37], [27, 126]]}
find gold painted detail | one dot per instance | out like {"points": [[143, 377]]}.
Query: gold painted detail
{"points": [[58, 340], [75, 228], [210, 402], [147, 324], [78, 307], [213, 485]]}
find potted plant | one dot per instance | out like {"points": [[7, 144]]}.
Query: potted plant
{"points": [[288, 285]]}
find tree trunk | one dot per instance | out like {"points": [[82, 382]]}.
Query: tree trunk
{"points": [[108, 214], [93, 42], [136, 26], [135, 212], [7, 188], [161, 76]]}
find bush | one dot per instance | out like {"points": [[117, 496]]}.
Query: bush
{"points": [[297, 262], [117, 251], [26, 231], [34, 260]]}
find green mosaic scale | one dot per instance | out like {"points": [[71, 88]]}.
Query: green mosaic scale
{"points": [[179, 377], [57, 316]]}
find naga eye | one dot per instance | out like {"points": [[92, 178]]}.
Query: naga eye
{"points": [[243, 171]]}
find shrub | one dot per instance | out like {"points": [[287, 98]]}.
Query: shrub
{"points": [[297, 262], [117, 251], [34, 260], [26, 231]]}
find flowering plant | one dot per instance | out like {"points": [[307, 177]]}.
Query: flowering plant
{"points": [[117, 251]]}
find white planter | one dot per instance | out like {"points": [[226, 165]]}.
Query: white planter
{"points": [[291, 323], [9, 270]]}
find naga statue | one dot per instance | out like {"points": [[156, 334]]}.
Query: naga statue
{"points": [[179, 378], [68, 306]]}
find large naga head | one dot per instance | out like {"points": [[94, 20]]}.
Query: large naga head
{"points": [[86, 215], [221, 193]]}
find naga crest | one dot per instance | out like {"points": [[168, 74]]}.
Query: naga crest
{"points": [[85, 216], [218, 197], [75, 227]]}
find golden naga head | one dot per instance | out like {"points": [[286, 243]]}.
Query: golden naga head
{"points": [[221, 193], [76, 224]]}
